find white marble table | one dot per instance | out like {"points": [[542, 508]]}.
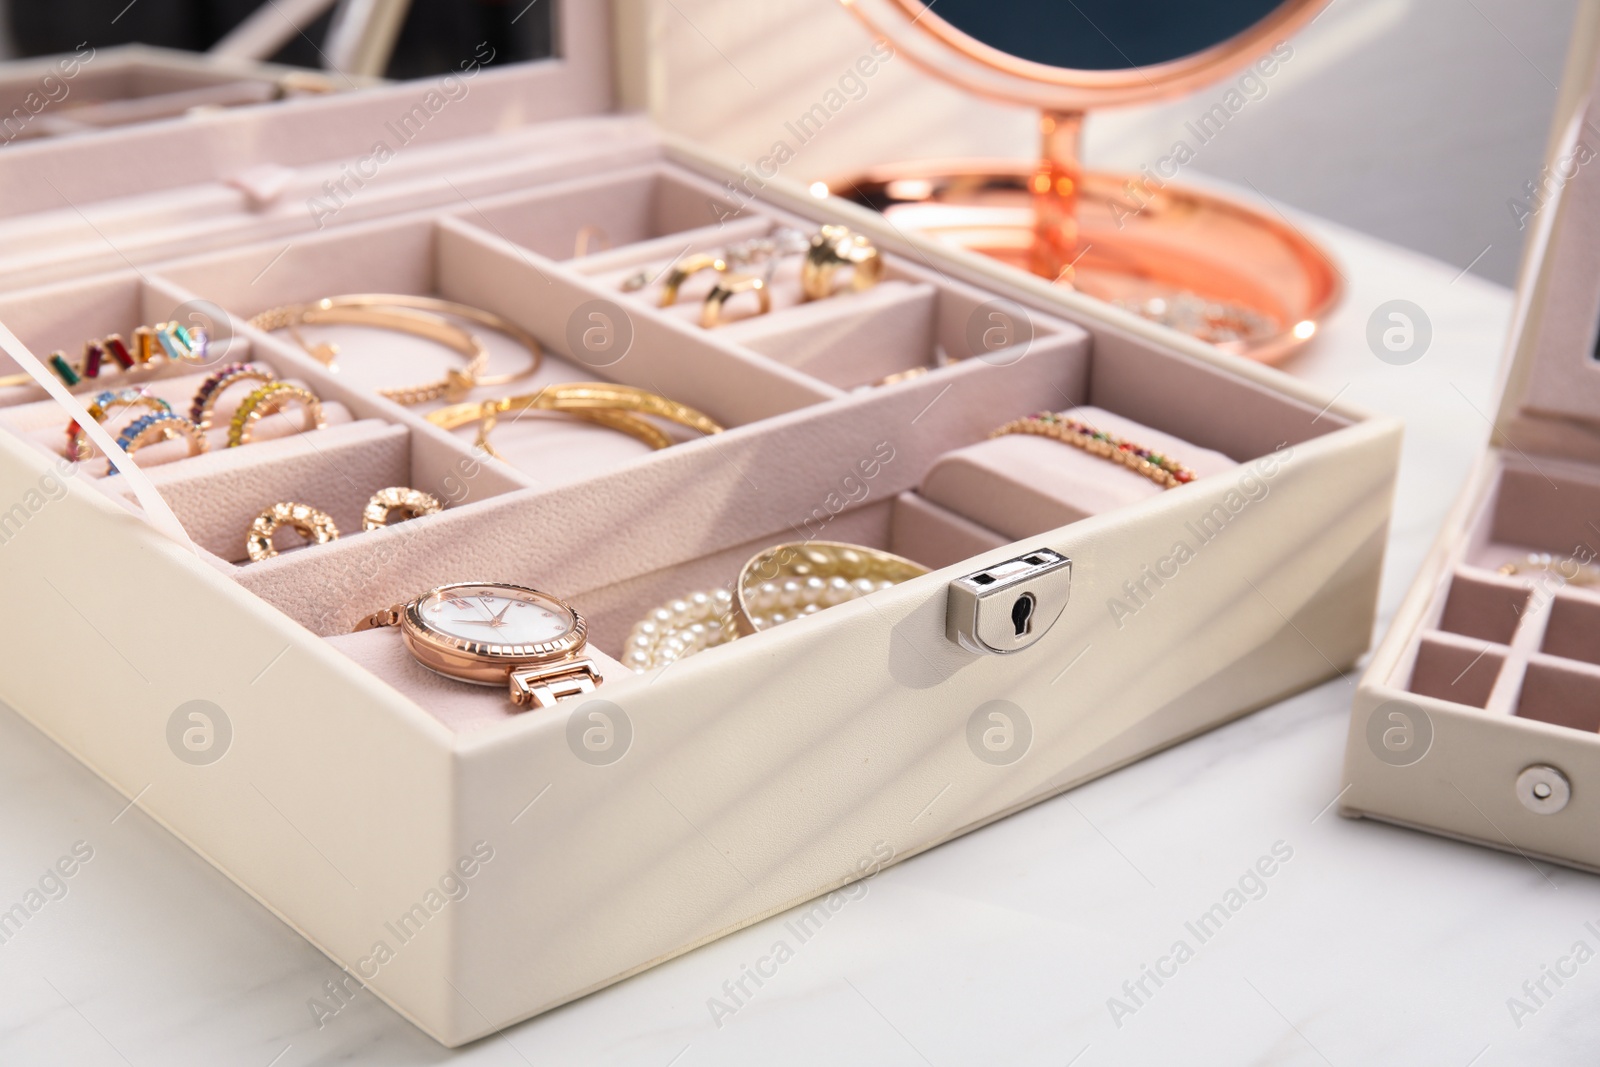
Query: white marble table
{"points": [[1370, 945]]}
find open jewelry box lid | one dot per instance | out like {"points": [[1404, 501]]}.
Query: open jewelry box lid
{"points": [[1550, 404], [137, 193]]}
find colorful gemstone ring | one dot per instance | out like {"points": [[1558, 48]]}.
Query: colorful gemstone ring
{"points": [[270, 399], [317, 527], [1163, 470], [411, 503], [78, 444], [152, 345], [211, 390], [158, 426]]}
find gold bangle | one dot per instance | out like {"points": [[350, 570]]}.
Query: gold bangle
{"points": [[427, 316], [802, 577], [834, 247], [79, 446], [411, 503], [158, 426], [205, 398], [730, 286], [487, 413], [270, 399], [315, 526], [1163, 470], [598, 402]]}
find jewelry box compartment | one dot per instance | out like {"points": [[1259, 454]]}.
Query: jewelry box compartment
{"points": [[623, 215], [900, 319], [1513, 629], [435, 255], [855, 469]]}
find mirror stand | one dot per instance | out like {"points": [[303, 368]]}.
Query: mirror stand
{"points": [[1138, 241]]}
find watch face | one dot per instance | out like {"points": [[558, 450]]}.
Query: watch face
{"points": [[495, 615]]}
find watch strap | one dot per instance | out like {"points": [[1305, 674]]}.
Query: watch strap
{"points": [[541, 686]]}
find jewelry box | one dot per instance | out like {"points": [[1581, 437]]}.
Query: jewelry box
{"points": [[474, 864], [1478, 715]]}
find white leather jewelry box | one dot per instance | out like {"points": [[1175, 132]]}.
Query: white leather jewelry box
{"points": [[1478, 715], [472, 866]]}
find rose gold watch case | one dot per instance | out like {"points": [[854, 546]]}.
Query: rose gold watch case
{"points": [[483, 662]]}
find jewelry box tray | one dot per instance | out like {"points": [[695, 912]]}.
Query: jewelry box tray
{"points": [[1477, 716], [755, 776]]}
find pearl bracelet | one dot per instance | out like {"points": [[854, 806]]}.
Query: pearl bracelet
{"points": [[778, 585]]}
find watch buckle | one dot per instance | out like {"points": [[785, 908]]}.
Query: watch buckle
{"points": [[542, 686]]}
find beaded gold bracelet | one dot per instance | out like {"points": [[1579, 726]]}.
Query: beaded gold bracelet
{"points": [[1163, 470]]}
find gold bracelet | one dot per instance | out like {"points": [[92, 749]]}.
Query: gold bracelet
{"points": [[268, 400], [1163, 470], [315, 526], [614, 406], [729, 286], [488, 412], [833, 248], [424, 316]]}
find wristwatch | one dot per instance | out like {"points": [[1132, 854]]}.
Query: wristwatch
{"points": [[491, 634]]}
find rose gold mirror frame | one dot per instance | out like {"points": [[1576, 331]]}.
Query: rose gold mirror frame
{"points": [[1058, 181], [1023, 81]]}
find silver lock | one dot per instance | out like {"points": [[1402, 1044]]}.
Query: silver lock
{"points": [[1007, 607], [1542, 789]]}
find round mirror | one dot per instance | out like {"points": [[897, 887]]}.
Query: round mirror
{"points": [[1101, 34], [1209, 266]]}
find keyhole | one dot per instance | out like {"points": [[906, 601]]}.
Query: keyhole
{"points": [[1022, 614]]}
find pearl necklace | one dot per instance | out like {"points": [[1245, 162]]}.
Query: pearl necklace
{"points": [[703, 620]]}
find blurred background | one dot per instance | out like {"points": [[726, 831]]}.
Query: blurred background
{"points": [[1416, 121]]}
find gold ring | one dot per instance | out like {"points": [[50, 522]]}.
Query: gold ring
{"points": [[617, 407], [78, 445], [728, 287], [803, 577], [411, 503], [315, 526], [834, 247], [268, 400], [223, 379], [158, 426], [685, 269]]}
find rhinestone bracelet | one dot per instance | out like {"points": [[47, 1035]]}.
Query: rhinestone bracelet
{"points": [[1163, 470]]}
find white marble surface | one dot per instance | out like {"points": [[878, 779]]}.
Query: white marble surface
{"points": [[1371, 945]]}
